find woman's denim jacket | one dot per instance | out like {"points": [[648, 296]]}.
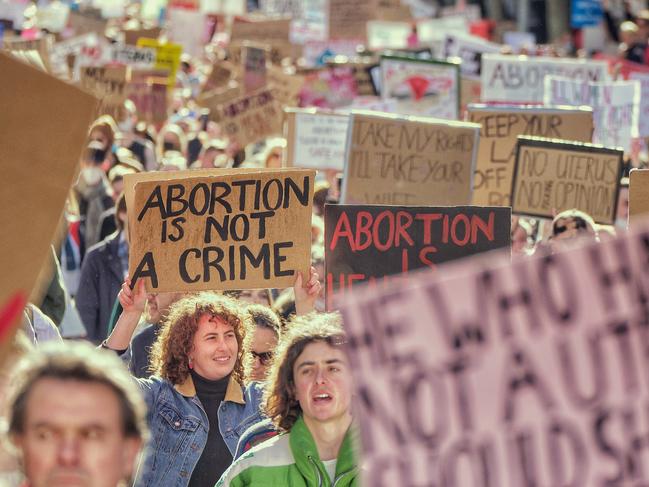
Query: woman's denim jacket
{"points": [[178, 427]]}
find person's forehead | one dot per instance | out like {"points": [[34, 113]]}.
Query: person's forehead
{"points": [[320, 351], [263, 337], [208, 322], [72, 403]]}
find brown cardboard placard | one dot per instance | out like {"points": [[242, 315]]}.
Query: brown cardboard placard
{"points": [[214, 98], [220, 75], [46, 121], [400, 160], [347, 20], [638, 195], [131, 36], [551, 176], [286, 87], [108, 83], [497, 148], [249, 118], [248, 230], [88, 20], [274, 32], [42, 45]]}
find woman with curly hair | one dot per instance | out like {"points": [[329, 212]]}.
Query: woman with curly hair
{"points": [[309, 399], [198, 404]]}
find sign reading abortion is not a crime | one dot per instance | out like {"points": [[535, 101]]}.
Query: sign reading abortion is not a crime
{"points": [[248, 230]]}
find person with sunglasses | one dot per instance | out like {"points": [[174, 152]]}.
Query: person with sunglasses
{"points": [[262, 341]]}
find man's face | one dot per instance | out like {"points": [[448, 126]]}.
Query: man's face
{"points": [[73, 436], [158, 306], [323, 384], [264, 342]]}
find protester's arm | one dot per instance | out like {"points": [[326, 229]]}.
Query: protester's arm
{"points": [[132, 301], [307, 294]]}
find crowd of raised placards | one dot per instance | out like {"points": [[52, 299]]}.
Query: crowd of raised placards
{"points": [[323, 243]]}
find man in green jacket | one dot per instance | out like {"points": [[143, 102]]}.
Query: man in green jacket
{"points": [[308, 398]]}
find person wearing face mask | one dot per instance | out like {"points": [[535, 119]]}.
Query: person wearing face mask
{"points": [[134, 137], [92, 191]]}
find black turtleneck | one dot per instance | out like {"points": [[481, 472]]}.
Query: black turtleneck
{"points": [[216, 457]]}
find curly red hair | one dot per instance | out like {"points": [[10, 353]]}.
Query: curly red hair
{"points": [[170, 353]]}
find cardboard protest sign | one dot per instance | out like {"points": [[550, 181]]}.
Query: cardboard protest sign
{"points": [[254, 67], [33, 58], [220, 75], [87, 20], [213, 99], [372, 242], [315, 139], [430, 88], [249, 118], [286, 86], [638, 195], [498, 373], [137, 57], [497, 147], [148, 91], [519, 79], [347, 20], [265, 30], [37, 172], [132, 36], [408, 160], [551, 176], [248, 230], [470, 50], [108, 83], [42, 45], [167, 56], [615, 104]]}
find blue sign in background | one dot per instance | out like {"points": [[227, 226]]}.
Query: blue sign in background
{"points": [[585, 13]]}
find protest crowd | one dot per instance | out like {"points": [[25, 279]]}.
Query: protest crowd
{"points": [[324, 243]]}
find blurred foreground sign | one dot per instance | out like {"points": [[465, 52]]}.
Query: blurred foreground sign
{"points": [[493, 373], [37, 172]]}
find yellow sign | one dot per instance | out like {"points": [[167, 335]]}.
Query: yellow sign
{"points": [[167, 56]]}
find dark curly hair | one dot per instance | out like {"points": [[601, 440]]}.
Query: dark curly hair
{"points": [[170, 353], [280, 403]]}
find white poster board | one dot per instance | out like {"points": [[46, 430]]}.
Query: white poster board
{"points": [[615, 106], [519, 79]]}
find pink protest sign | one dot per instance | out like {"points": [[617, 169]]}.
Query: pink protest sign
{"points": [[497, 373]]}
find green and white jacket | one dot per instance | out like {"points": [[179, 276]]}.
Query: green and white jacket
{"points": [[291, 460]]}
